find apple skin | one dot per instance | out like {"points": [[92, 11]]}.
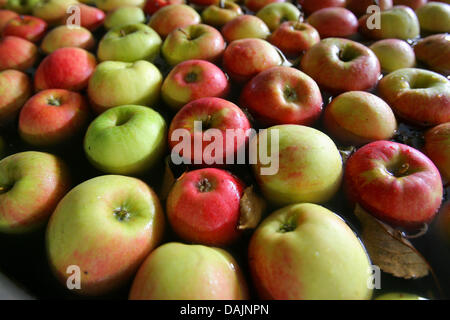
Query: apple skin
{"points": [[245, 58], [310, 167], [21, 6], [358, 117], [52, 117], [310, 6], [399, 295], [64, 36], [107, 226], [65, 68], [17, 53], [15, 89], [123, 16], [151, 6], [395, 183], [359, 7], [394, 54], [126, 140], [282, 95], [419, 96], [27, 27], [191, 80], [434, 17], [437, 148], [434, 51], [172, 17], [245, 26], [129, 43], [294, 247], [115, 83], [33, 183], [53, 11], [217, 15], [110, 5], [198, 41], [91, 18], [340, 65], [276, 13], [5, 17], [177, 271], [413, 4], [256, 5], [293, 37], [203, 207], [334, 22]]}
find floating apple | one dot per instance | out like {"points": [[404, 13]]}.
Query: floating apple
{"points": [[15, 89], [294, 37], [394, 54], [359, 7], [276, 13], [310, 6], [217, 15], [172, 17], [256, 5], [123, 16], [5, 17], [334, 22], [53, 11], [434, 51], [413, 4], [245, 26], [17, 53], [437, 147], [151, 6], [434, 17], [21, 6], [65, 36], [111, 5]]}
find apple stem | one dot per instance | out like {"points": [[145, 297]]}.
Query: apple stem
{"points": [[284, 61], [403, 169], [185, 33], [123, 33], [122, 214]]}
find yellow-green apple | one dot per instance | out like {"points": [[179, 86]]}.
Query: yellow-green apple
{"points": [[172, 17], [216, 116], [65, 36], [110, 5], [399, 22], [116, 83], [217, 15], [395, 183], [151, 6], [282, 95], [437, 148], [15, 89], [52, 117], [276, 13], [359, 117], [106, 226], [334, 22], [129, 43], [434, 17], [245, 26], [399, 295], [307, 252], [294, 37], [434, 51], [21, 6], [65, 68], [31, 185], [310, 6], [413, 4], [245, 58], [191, 80], [443, 222], [340, 65], [17, 53], [256, 5], [126, 140], [5, 17], [308, 161], [198, 41], [91, 18], [123, 16], [359, 7], [26, 27], [394, 54], [53, 11], [203, 207], [419, 96], [177, 271]]}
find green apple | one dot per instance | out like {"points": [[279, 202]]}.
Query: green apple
{"points": [[276, 13], [394, 54], [245, 26], [110, 5], [126, 140], [399, 296], [116, 83], [129, 43], [123, 16], [53, 11], [21, 6], [106, 226], [177, 271], [217, 15], [434, 17], [306, 252], [65, 36]]}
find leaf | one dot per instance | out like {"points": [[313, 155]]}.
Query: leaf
{"points": [[389, 249], [252, 207]]}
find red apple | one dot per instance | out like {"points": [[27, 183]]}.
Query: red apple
{"points": [[65, 36], [395, 183], [173, 16], [294, 37], [334, 22], [434, 52], [413, 4], [26, 27], [437, 147], [310, 6], [359, 7], [151, 6], [5, 17], [256, 5], [204, 207], [53, 116], [245, 26], [17, 53], [65, 68], [90, 17], [15, 89]]}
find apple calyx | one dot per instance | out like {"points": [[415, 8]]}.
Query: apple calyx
{"points": [[289, 94], [204, 185], [191, 77], [289, 225], [5, 189], [122, 214], [347, 54], [52, 101], [399, 171]]}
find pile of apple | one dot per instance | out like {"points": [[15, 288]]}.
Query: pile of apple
{"points": [[125, 75]]}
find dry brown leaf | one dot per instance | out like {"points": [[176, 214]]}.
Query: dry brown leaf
{"points": [[252, 207]]}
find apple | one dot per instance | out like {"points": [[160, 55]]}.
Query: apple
{"points": [[282, 95], [399, 22], [358, 117], [434, 17], [359, 7], [31, 185], [15, 89], [245, 26], [126, 140], [309, 165], [399, 295], [5, 17], [110, 5], [65, 36], [106, 226], [17, 53], [216, 114], [395, 183], [276, 13], [177, 271], [334, 22], [245, 58], [21, 6], [217, 15], [413, 4], [203, 207], [310, 6], [123, 16], [204, 3], [129, 43], [434, 51], [198, 41], [419, 96], [256, 5], [53, 11], [437, 148], [307, 252], [116, 83], [65, 68], [294, 37], [172, 17], [191, 80], [26, 27], [91, 18], [394, 54], [340, 65], [151, 6]]}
